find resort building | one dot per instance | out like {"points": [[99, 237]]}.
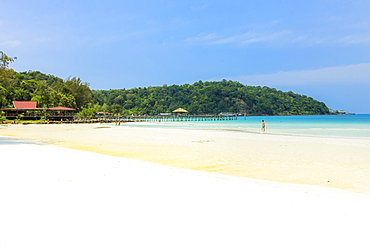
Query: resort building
{"points": [[27, 110]]}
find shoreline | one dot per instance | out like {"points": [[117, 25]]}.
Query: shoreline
{"points": [[327, 162]]}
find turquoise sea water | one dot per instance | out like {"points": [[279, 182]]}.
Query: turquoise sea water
{"points": [[355, 126]]}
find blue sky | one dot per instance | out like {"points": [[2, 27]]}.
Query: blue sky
{"points": [[320, 48]]}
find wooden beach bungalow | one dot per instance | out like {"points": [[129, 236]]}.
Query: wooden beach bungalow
{"points": [[27, 110]]}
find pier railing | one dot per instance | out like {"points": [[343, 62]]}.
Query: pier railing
{"points": [[145, 118], [169, 118]]}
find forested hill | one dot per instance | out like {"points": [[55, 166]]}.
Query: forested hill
{"points": [[208, 97], [47, 90]]}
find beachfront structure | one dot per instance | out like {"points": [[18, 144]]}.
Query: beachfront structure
{"points": [[180, 111], [27, 110]]}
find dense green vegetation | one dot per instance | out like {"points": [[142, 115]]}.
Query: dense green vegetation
{"points": [[198, 98], [208, 98], [47, 90]]}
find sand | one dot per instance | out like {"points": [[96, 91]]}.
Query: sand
{"points": [[148, 187], [330, 162], [51, 196]]}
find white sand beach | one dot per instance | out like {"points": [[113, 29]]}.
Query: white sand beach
{"points": [[330, 162], [53, 196]]}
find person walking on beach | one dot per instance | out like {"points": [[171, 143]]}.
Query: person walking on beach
{"points": [[263, 128]]}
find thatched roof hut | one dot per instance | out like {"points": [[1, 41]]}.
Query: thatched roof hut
{"points": [[180, 111]]}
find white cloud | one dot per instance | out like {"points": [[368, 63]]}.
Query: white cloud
{"points": [[10, 43], [284, 36], [355, 39], [251, 37], [202, 38], [350, 74]]}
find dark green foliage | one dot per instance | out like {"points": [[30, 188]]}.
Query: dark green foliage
{"points": [[208, 98], [87, 112], [5, 60], [47, 90]]}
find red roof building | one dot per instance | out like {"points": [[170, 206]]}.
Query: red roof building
{"points": [[28, 110], [29, 105], [61, 108]]}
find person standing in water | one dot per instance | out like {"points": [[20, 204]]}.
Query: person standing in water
{"points": [[263, 128]]}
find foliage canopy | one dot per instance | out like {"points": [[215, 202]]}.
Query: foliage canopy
{"points": [[47, 90], [210, 97]]}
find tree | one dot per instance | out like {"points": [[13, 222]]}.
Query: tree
{"points": [[5, 78], [87, 112], [47, 90], [5, 60], [116, 109], [5, 73], [80, 91], [210, 97], [3, 97], [2, 118]]}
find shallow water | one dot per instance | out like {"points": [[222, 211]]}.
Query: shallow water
{"points": [[7, 141], [351, 126]]}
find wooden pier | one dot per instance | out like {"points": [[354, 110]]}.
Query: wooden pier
{"points": [[172, 118], [157, 118], [124, 119], [182, 118]]}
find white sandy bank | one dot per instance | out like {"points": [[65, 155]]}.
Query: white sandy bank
{"points": [[332, 162], [58, 197]]}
